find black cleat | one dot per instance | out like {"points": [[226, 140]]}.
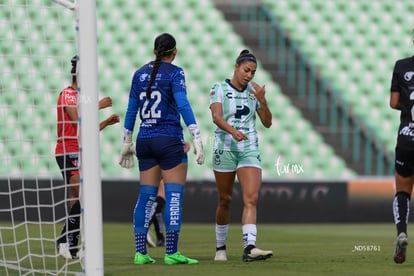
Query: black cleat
{"points": [[251, 253]]}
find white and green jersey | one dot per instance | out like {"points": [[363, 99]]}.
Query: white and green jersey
{"points": [[239, 110]]}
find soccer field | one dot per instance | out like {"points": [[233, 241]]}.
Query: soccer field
{"points": [[299, 249]]}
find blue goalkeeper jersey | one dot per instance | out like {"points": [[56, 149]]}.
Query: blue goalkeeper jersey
{"points": [[161, 115]]}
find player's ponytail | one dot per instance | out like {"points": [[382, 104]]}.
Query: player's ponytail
{"points": [[164, 45]]}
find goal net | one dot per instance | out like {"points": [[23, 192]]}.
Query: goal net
{"points": [[38, 38]]}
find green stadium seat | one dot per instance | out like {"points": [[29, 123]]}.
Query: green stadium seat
{"points": [[364, 29]]}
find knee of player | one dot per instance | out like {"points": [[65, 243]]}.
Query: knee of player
{"points": [[250, 200], [225, 200]]}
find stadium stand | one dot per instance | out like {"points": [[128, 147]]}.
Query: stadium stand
{"points": [[207, 48], [354, 44]]}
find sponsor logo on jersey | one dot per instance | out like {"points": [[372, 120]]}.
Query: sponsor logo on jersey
{"points": [[241, 110], [407, 131], [148, 122], [182, 83], [70, 98], [401, 163], [230, 95], [143, 77], [408, 75]]}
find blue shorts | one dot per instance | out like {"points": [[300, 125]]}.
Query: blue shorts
{"points": [[167, 152]]}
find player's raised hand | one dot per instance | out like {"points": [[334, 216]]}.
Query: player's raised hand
{"points": [[257, 90], [105, 102], [113, 119]]}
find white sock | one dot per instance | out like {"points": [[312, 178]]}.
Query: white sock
{"points": [[221, 234], [249, 234]]}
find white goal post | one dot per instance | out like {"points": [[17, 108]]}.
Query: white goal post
{"points": [[35, 65], [89, 142]]}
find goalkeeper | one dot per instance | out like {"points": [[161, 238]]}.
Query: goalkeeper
{"points": [[66, 152], [158, 94]]}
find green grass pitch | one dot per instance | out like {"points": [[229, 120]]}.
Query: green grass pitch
{"points": [[299, 249]]}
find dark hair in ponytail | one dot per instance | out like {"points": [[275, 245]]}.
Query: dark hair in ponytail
{"points": [[245, 55], [164, 44]]}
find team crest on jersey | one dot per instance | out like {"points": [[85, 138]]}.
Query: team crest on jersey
{"points": [[212, 93], [217, 159], [408, 75]]}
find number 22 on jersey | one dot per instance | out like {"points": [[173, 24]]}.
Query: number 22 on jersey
{"points": [[151, 112]]}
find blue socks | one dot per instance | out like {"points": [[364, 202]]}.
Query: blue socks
{"points": [[172, 215], [142, 216]]}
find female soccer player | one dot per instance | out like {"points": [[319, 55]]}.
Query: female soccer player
{"points": [[158, 93], [401, 98], [233, 105], [66, 151]]}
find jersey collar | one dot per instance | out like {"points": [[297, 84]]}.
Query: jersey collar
{"points": [[229, 83]]}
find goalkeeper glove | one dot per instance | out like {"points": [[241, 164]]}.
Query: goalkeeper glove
{"points": [[127, 151], [197, 142]]}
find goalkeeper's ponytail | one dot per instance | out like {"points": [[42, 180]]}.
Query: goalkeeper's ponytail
{"points": [[154, 71], [164, 45]]}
